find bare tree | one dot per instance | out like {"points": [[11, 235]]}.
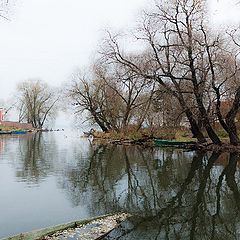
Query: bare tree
{"points": [[37, 102], [89, 96], [175, 54], [224, 79], [113, 96], [183, 56], [135, 92], [191, 63]]}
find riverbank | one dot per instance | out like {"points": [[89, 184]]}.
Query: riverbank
{"points": [[144, 136], [180, 138], [12, 130], [131, 134]]}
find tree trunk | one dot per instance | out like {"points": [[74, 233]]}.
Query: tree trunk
{"points": [[197, 91], [211, 133], [196, 131], [230, 119], [233, 136], [100, 124], [199, 99]]}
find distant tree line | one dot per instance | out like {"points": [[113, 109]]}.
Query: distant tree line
{"points": [[187, 70]]}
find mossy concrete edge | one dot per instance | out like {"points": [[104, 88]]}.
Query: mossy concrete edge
{"points": [[40, 233]]}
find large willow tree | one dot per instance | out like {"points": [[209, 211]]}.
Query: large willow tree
{"points": [[37, 102]]}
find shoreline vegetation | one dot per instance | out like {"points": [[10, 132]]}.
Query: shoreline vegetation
{"points": [[147, 138]]}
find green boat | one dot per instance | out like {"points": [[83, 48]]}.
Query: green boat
{"points": [[19, 132], [162, 142]]}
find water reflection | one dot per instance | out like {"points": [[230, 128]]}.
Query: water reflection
{"points": [[2, 143], [29, 169], [205, 205], [34, 160], [172, 194], [177, 195]]}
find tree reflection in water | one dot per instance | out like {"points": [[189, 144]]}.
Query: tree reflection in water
{"points": [[35, 159], [172, 194]]}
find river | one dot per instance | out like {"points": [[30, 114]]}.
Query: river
{"points": [[56, 177]]}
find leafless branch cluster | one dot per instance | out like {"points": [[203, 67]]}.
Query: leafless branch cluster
{"points": [[185, 58], [37, 102]]}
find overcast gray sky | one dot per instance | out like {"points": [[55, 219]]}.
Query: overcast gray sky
{"points": [[48, 39]]}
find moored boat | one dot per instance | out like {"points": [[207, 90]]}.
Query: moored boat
{"points": [[19, 132], [162, 142], [5, 132]]}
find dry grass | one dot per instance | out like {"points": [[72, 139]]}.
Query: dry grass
{"points": [[180, 134], [143, 135]]}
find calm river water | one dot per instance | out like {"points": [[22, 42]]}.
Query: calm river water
{"points": [[52, 178]]}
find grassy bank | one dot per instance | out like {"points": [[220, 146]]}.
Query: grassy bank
{"points": [[144, 135], [7, 129], [147, 135]]}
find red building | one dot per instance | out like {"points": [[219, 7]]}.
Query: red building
{"points": [[26, 126]]}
